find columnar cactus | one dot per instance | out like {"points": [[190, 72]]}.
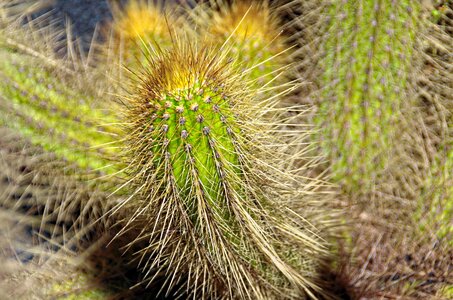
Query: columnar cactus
{"points": [[367, 57], [209, 200]]}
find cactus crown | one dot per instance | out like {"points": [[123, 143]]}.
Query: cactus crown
{"points": [[185, 128], [251, 32]]}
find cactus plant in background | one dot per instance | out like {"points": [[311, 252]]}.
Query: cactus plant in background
{"points": [[54, 235], [368, 53], [141, 19], [204, 162], [41, 213], [139, 25], [39, 93], [381, 252], [210, 196], [48, 199], [435, 89], [251, 31], [42, 108]]}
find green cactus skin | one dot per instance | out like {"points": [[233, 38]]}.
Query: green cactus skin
{"points": [[367, 57], [206, 203], [61, 120], [53, 232]]}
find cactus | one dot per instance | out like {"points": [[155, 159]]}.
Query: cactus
{"points": [[435, 98], [209, 195], [140, 19], [251, 31], [47, 185], [137, 26], [54, 234], [209, 173], [435, 205], [368, 54], [42, 108], [48, 99], [384, 231]]}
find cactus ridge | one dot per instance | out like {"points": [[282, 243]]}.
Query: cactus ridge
{"points": [[202, 172], [43, 109], [139, 18], [364, 79]]}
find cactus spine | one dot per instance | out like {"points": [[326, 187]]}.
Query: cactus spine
{"points": [[198, 161], [251, 32], [42, 108]]}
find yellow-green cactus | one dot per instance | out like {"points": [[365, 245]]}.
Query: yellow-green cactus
{"points": [[139, 25], [251, 32], [367, 56], [51, 114], [209, 194]]}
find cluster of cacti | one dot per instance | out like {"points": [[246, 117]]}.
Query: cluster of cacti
{"points": [[200, 178], [238, 227]]}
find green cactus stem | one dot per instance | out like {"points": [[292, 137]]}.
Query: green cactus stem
{"points": [[61, 119], [209, 195], [252, 33], [368, 52]]}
